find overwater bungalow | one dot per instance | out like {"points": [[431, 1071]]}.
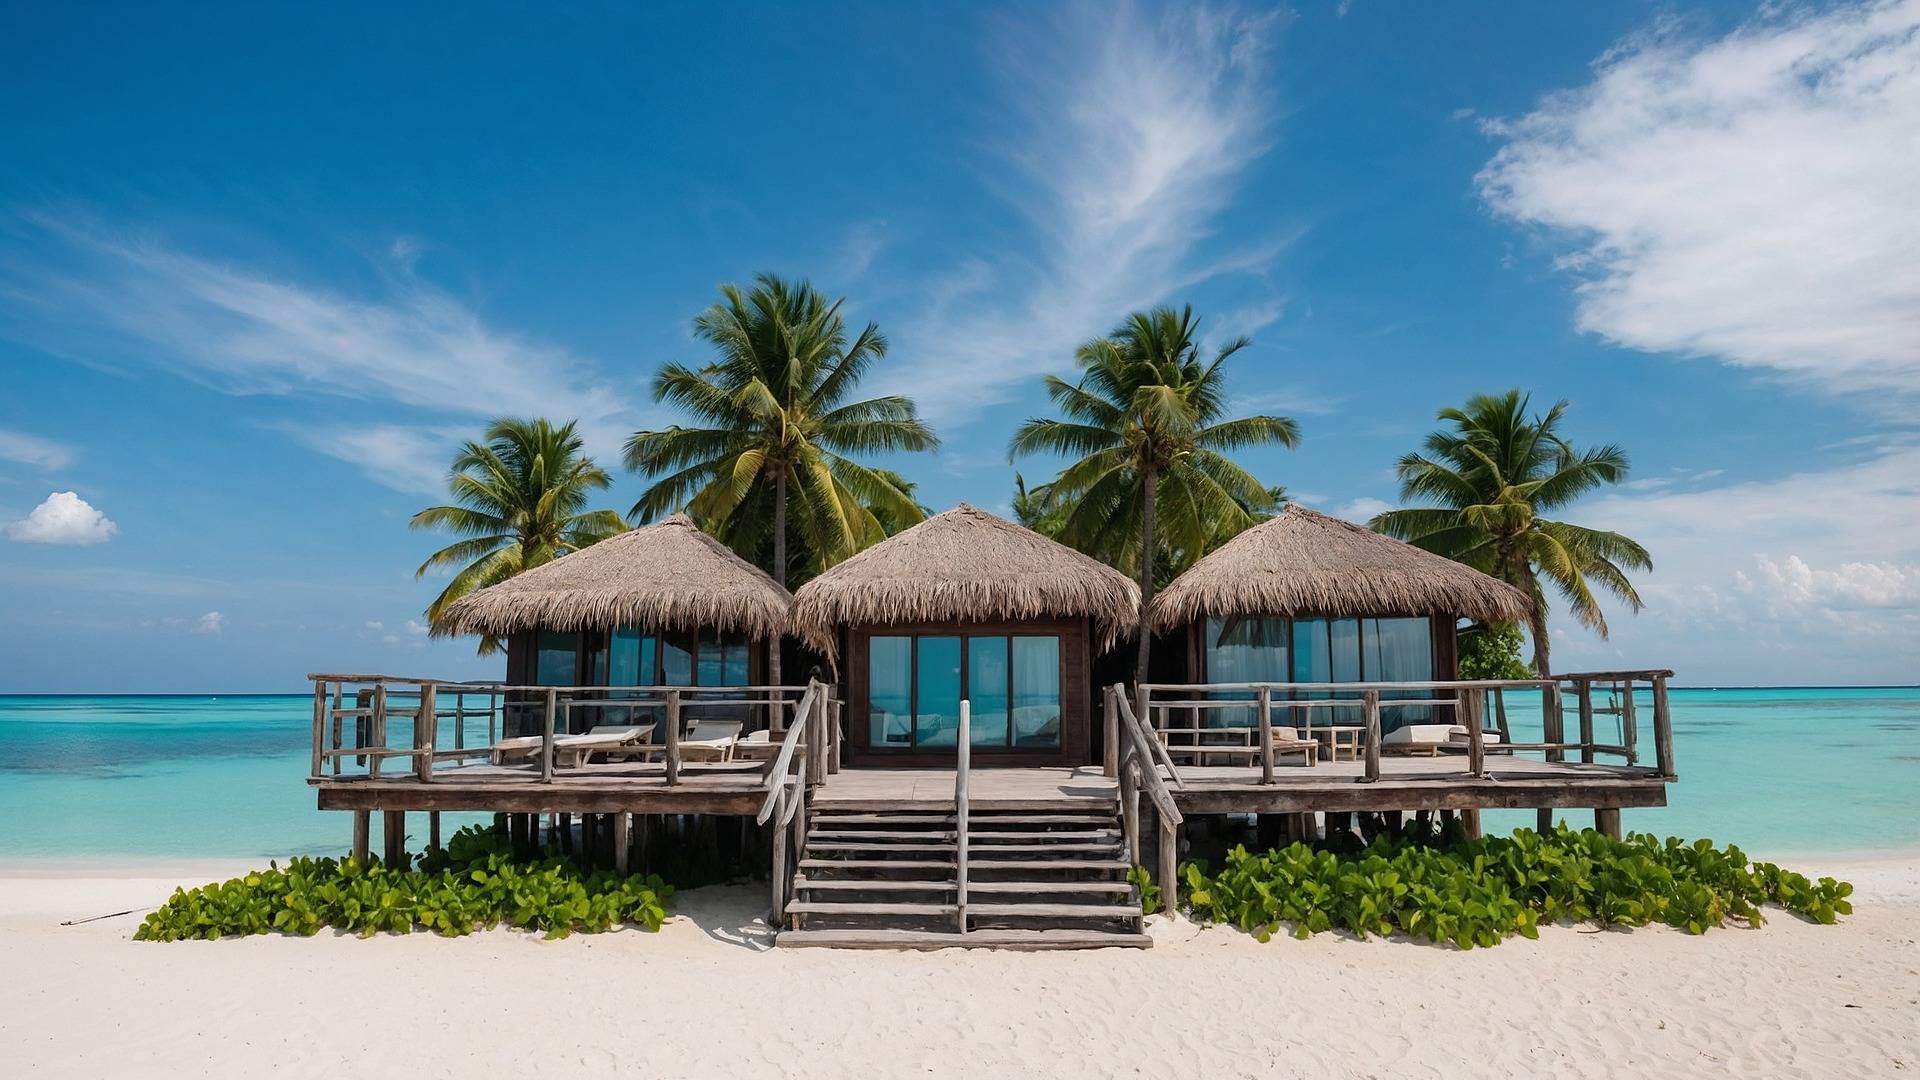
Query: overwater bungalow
{"points": [[953, 773]]}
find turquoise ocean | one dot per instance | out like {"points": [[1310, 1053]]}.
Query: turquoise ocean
{"points": [[97, 779]]}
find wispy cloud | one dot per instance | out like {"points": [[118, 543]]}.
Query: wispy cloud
{"points": [[1750, 199], [243, 331], [1132, 132], [25, 449]]}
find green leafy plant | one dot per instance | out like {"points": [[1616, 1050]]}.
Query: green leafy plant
{"points": [[1142, 879], [473, 883], [1480, 892]]}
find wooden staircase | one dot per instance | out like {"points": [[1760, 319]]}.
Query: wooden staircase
{"points": [[1036, 879]]}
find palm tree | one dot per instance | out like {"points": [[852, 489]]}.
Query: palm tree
{"points": [[1145, 421], [1491, 479], [775, 417], [521, 500]]}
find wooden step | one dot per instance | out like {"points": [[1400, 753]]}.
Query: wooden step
{"points": [[1022, 887], [880, 864], [870, 885], [842, 817], [1046, 837], [1030, 849], [890, 845], [843, 907], [877, 834], [980, 821], [1056, 911], [1051, 864], [976, 939]]}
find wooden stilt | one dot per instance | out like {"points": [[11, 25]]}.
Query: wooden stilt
{"points": [[362, 825], [1266, 831], [433, 828], [622, 842], [393, 833], [1470, 823], [1543, 821], [1607, 821], [1169, 865]]}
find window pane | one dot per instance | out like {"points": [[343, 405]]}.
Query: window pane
{"points": [[712, 660], [936, 704], [677, 655], [1344, 641], [889, 677], [1312, 653], [1401, 650], [1036, 691], [1244, 650], [733, 672], [624, 668], [554, 660], [987, 689]]}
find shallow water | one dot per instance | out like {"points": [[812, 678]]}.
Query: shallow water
{"points": [[89, 778]]}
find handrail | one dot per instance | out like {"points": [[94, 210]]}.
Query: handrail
{"points": [[777, 771], [1156, 788], [1156, 750], [962, 766]]}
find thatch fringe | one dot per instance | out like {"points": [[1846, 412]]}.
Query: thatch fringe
{"points": [[1304, 563], [665, 576], [965, 565]]}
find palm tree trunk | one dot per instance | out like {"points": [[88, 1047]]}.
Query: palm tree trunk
{"points": [[1146, 571], [779, 562], [1537, 630]]}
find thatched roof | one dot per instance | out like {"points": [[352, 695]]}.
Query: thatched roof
{"points": [[665, 576], [961, 566], [1306, 563]]}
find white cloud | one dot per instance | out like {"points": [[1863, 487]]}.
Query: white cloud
{"points": [[1363, 509], [1131, 133], [1810, 578], [210, 623], [864, 242], [247, 332], [63, 518], [1751, 198], [18, 446]]}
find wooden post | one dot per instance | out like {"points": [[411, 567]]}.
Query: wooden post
{"points": [[426, 733], [622, 841], [1607, 821], [1585, 689], [1169, 864], [833, 734], [546, 736], [1370, 701], [1500, 715], [1266, 735], [319, 726], [393, 833], [362, 825], [1470, 822], [1476, 743], [1543, 820], [1629, 722], [1662, 729], [1555, 719], [779, 883], [338, 689], [459, 719], [963, 769], [673, 741], [433, 828], [1130, 807], [1110, 728], [379, 728]]}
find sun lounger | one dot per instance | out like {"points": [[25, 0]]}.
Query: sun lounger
{"points": [[1287, 740], [710, 740], [1430, 739], [571, 751]]}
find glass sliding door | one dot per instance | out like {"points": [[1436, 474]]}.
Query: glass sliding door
{"points": [[988, 680], [915, 683], [1400, 650], [1036, 692], [1244, 650], [556, 659], [889, 690], [936, 691]]}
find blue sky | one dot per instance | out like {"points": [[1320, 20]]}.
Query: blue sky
{"points": [[260, 269]]}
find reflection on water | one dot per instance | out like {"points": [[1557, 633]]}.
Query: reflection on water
{"points": [[1776, 771]]}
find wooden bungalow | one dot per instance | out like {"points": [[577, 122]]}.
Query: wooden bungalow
{"points": [[967, 606], [1308, 598], [661, 605]]}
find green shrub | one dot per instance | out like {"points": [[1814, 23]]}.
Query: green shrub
{"points": [[473, 883], [1480, 892], [1142, 879]]}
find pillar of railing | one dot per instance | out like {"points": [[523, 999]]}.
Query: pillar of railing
{"points": [[319, 727], [377, 729], [551, 706], [1266, 735], [1629, 722], [1662, 729], [1554, 720], [426, 725], [963, 754], [1475, 705], [1370, 705], [1584, 688], [1110, 735], [673, 738]]}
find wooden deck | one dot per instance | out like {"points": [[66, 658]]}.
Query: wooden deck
{"points": [[731, 789], [1439, 783]]}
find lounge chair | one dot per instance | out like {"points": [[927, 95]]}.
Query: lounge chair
{"points": [[1430, 739], [710, 740], [571, 751], [1288, 740]]}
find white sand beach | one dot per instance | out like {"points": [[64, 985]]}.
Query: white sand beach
{"points": [[705, 998]]}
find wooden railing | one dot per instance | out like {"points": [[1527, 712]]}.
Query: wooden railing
{"points": [[962, 805], [1470, 704], [371, 702], [800, 764], [1139, 760]]}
